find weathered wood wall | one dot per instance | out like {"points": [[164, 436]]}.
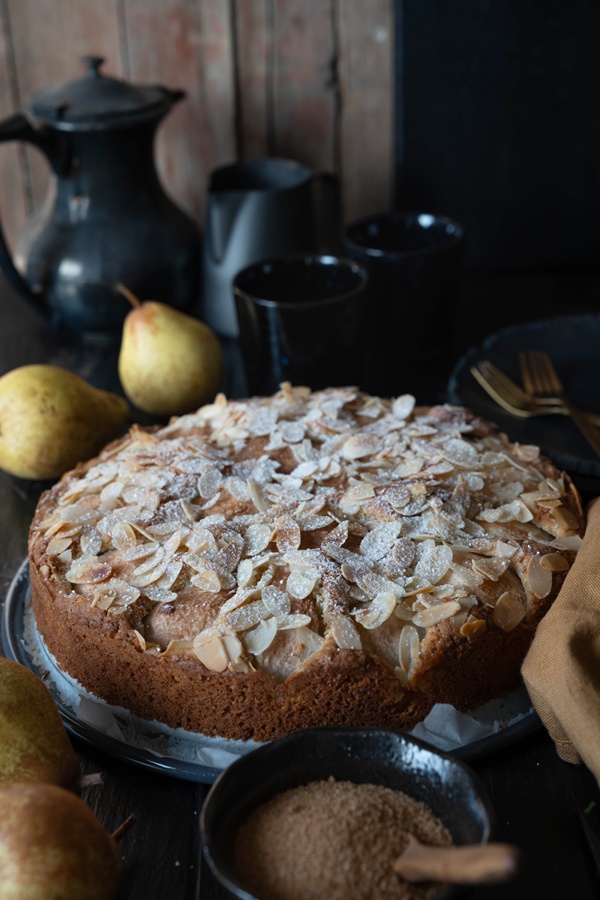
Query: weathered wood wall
{"points": [[307, 79]]}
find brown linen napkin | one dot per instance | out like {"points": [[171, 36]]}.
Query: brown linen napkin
{"points": [[562, 669]]}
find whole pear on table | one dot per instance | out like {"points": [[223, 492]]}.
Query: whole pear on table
{"points": [[53, 847], [170, 363], [34, 746], [51, 419]]}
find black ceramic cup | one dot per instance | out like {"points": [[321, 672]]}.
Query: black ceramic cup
{"points": [[301, 320], [414, 262]]}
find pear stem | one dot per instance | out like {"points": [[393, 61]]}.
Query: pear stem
{"points": [[129, 295], [123, 827]]}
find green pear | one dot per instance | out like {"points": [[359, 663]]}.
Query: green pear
{"points": [[53, 847], [51, 419], [34, 746], [170, 362]]}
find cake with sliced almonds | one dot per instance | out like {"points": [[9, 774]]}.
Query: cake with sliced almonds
{"points": [[327, 558]]}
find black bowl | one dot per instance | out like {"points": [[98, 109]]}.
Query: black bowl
{"points": [[362, 755]]}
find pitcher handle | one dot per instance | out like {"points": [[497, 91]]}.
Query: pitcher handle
{"points": [[18, 128]]}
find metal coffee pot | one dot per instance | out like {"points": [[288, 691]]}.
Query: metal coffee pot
{"points": [[260, 209], [106, 218]]}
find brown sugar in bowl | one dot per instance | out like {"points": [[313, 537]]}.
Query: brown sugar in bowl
{"points": [[391, 759]]}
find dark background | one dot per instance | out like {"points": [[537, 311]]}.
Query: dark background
{"points": [[498, 125]]}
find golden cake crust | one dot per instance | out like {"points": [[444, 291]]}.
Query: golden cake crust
{"points": [[306, 559]]}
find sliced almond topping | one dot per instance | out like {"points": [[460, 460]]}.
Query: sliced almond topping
{"points": [[408, 647], [229, 556], [287, 534], [337, 535], [378, 542], [260, 638], [434, 561], [344, 632], [509, 611], [505, 549], [569, 542], [472, 627], [58, 545], [309, 640], [257, 538], [565, 518], [378, 611], [360, 445], [176, 647], [246, 616], [492, 569], [555, 562], [295, 620], [539, 578], [516, 511], [358, 493], [257, 496], [209, 483], [276, 602], [201, 540], [90, 541], [140, 638], [215, 650], [403, 406], [459, 452], [301, 583], [208, 581], [88, 571], [435, 614], [210, 650]]}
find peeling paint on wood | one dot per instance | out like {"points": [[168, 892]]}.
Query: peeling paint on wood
{"points": [[306, 79]]}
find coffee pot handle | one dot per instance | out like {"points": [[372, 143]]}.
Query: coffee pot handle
{"points": [[18, 128]]}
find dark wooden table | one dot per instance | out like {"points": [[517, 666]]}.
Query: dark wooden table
{"points": [[531, 788]]}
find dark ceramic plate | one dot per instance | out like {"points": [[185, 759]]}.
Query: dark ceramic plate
{"points": [[573, 343], [367, 756], [153, 746]]}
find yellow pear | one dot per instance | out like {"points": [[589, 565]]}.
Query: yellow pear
{"points": [[51, 419], [170, 362], [53, 847], [34, 746]]}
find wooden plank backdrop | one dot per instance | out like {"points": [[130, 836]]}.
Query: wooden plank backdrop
{"points": [[306, 79]]}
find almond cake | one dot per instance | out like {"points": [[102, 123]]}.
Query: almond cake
{"points": [[310, 558]]}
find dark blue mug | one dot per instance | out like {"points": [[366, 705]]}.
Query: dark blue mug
{"points": [[414, 262], [301, 319]]}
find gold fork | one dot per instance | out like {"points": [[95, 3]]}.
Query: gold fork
{"points": [[542, 382], [509, 395]]}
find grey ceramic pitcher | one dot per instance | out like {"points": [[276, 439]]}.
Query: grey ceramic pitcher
{"points": [[261, 209]]}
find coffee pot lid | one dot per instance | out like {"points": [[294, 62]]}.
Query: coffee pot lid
{"points": [[96, 102]]}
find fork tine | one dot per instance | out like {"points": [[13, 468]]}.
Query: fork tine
{"points": [[544, 379], [505, 385], [504, 391], [491, 389], [501, 383], [540, 375], [525, 373], [507, 394], [551, 375]]}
